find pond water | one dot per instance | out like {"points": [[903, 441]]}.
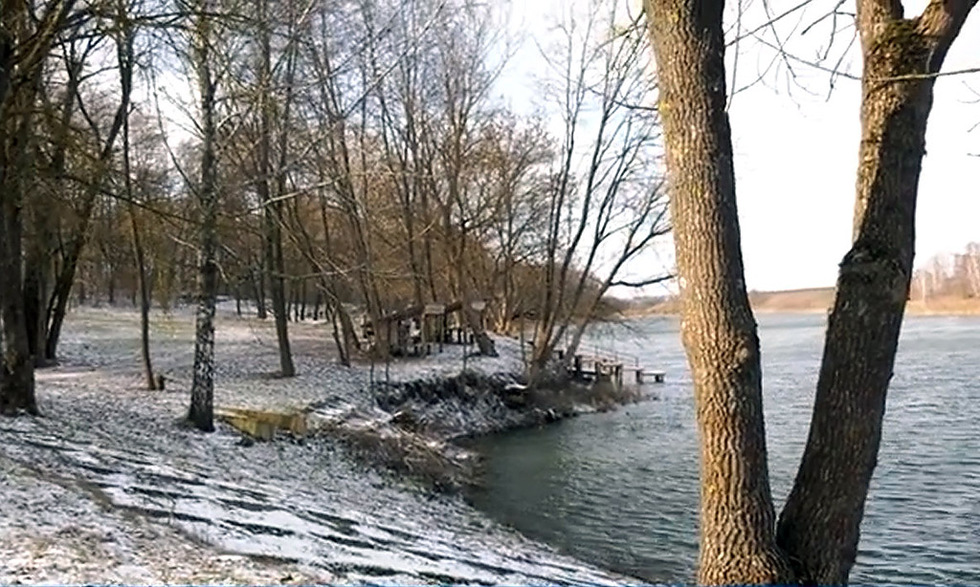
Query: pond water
{"points": [[620, 489]]}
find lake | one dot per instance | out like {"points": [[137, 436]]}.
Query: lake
{"points": [[620, 489]]}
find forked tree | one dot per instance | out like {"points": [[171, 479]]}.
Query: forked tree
{"points": [[816, 537]]}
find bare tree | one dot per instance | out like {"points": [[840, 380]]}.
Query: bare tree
{"points": [[203, 55], [605, 206], [89, 32], [26, 39], [273, 207], [125, 41], [817, 534]]}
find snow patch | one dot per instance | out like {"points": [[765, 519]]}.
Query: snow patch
{"points": [[105, 487]]}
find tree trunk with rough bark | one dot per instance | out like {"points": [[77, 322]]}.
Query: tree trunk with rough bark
{"points": [[17, 378], [738, 543], [16, 104], [820, 525], [818, 530]]}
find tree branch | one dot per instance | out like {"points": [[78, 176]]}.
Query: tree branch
{"points": [[942, 20], [643, 283]]}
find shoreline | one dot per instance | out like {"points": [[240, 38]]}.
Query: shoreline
{"points": [[430, 421], [912, 309], [119, 471]]}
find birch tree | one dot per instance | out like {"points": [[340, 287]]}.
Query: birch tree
{"points": [[203, 57]]}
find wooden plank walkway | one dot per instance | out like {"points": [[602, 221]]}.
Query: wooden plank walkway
{"points": [[590, 366], [593, 367]]}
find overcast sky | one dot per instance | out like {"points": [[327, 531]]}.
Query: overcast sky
{"points": [[796, 148]]}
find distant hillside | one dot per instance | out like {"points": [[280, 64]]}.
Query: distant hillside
{"points": [[797, 300], [820, 299], [817, 299]]}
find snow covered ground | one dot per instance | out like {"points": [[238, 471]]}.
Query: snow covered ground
{"points": [[107, 488]]}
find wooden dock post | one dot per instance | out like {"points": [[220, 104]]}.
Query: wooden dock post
{"points": [[430, 313]]}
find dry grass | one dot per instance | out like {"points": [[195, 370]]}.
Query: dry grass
{"points": [[566, 398], [800, 300], [435, 463], [946, 306], [822, 298]]}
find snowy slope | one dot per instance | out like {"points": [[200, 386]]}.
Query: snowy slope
{"points": [[105, 487]]}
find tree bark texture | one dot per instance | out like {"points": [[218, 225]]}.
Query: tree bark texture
{"points": [[818, 530], [17, 383], [201, 413], [820, 525], [17, 96], [737, 518]]}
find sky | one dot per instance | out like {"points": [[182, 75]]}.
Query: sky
{"points": [[796, 146]]}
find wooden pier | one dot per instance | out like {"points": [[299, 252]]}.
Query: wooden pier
{"points": [[594, 367]]}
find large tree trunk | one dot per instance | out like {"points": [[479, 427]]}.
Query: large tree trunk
{"points": [[25, 41], [17, 383], [819, 529], [16, 103], [737, 517], [820, 525], [201, 413]]}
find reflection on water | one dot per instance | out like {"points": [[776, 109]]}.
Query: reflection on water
{"points": [[620, 489]]}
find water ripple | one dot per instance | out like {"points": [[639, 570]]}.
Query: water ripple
{"points": [[620, 489]]}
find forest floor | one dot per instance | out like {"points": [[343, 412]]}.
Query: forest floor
{"points": [[106, 487]]}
